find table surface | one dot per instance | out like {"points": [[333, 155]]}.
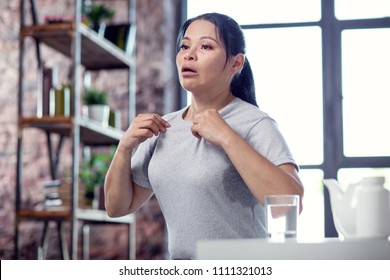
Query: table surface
{"points": [[262, 249], [101, 216]]}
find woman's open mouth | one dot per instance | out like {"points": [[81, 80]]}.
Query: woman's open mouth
{"points": [[188, 71]]}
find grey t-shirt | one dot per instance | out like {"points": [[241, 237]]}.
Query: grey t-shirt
{"points": [[201, 194]]}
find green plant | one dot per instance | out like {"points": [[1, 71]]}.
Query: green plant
{"points": [[93, 171], [93, 96], [97, 13]]}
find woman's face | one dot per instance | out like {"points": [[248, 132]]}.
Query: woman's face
{"points": [[201, 60]]}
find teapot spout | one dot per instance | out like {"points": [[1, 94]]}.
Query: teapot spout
{"points": [[342, 216], [333, 186]]}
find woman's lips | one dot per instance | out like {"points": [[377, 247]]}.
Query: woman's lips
{"points": [[187, 71]]}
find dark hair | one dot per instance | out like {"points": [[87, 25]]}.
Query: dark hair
{"points": [[232, 37]]}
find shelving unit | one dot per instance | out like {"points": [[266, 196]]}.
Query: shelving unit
{"points": [[86, 48]]}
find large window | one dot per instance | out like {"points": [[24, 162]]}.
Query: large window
{"points": [[321, 70], [366, 91], [362, 9], [287, 68], [260, 11]]}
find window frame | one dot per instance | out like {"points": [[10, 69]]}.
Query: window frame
{"points": [[334, 158]]}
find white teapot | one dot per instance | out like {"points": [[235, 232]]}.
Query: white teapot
{"points": [[363, 210]]}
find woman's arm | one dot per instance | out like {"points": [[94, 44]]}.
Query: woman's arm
{"points": [[260, 175], [122, 196]]}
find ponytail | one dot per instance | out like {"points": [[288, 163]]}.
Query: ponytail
{"points": [[243, 85]]}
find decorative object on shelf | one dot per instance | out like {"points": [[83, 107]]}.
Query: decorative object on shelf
{"points": [[52, 193], [45, 97], [57, 19], [114, 119], [96, 14], [118, 34], [96, 105], [93, 173], [63, 100]]}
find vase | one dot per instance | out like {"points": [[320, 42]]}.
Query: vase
{"points": [[99, 113]]}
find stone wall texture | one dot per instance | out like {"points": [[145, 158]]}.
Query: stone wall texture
{"points": [[107, 241]]}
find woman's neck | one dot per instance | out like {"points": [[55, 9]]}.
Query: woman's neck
{"points": [[199, 105]]}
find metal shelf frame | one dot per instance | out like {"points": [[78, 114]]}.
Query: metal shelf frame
{"points": [[84, 47]]}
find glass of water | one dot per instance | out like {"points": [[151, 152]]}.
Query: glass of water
{"points": [[281, 216]]}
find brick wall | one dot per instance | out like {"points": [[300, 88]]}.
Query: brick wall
{"points": [[107, 242]]}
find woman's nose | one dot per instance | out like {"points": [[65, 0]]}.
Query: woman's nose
{"points": [[190, 54]]}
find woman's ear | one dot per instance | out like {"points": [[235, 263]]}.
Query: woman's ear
{"points": [[238, 62]]}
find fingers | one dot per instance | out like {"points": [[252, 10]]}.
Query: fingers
{"points": [[210, 126], [152, 122], [202, 123], [194, 131], [143, 126], [195, 126]]}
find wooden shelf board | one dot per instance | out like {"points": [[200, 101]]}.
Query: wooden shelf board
{"points": [[44, 214], [96, 52], [91, 133]]}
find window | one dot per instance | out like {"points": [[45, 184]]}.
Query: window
{"points": [[366, 91], [321, 70], [262, 11], [362, 9], [291, 55]]}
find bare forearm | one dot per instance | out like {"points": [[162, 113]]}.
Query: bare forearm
{"points": [[118, 184], [260, 175]]}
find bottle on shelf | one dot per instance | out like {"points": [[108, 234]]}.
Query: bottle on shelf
{"points": [[45, 96], [63, 100]]}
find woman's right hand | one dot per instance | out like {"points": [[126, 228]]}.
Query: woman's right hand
{"points": [[143, 126]]}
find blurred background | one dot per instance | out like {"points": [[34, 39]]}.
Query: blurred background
{"points": [[321, 71]]}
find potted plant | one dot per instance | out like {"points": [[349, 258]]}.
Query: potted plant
{"points": [[96, 14], [92, 174], [96, 105]]}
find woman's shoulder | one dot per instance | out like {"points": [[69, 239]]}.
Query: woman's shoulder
{"points": [[243, 109]]}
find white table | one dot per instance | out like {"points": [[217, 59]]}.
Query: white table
{"points": [[94, 216], [262, 249]]}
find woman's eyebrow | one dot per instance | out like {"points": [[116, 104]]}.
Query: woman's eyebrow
{"points": [[202, 38], [209, 37]]}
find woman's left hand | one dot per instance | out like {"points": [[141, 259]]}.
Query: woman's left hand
{"points": [[210, 126]]}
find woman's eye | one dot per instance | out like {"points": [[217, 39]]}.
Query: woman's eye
{"points": [[206, 47], [183, 47]]}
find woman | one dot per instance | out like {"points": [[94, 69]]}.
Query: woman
{"points": [[209, 164]]}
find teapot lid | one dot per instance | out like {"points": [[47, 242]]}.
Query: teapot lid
{"points": [[375, 180]]}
